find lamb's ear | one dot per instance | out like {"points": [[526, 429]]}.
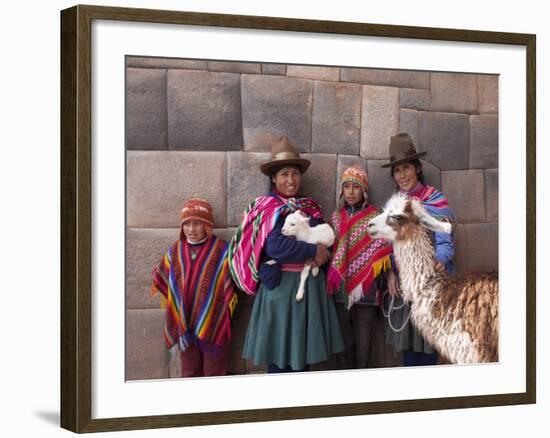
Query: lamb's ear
{"points": [[301, 213], [427, 220]]}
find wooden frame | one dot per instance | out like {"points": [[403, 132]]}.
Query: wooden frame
{"points": [[76, 222]]}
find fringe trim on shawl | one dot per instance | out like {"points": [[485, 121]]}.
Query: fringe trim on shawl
{"points": [[378, 267]]}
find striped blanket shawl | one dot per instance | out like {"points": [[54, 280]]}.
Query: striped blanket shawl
{"points": [[200, 298], [357, 259], [259, 218], [433, 201]]}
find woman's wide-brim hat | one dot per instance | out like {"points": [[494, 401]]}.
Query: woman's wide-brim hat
{"points": [[402, 150], [284, 153]]}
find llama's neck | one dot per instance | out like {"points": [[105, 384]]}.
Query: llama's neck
{"points": [[415, 261]]}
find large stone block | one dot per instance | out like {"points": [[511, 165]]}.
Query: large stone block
{"points": [[414, 98], [409, 122], [491, 194], [312, 72], [432, 175], [381, 184], [391, 78], [488, 94], [460, 260], [146, 119], [465, 190], [484, 141], [204, 110], [274, 69], [146, 354], [159, 182], [454, 93], [446, 138], [165, 63], [235, 67], [274, 106], [320, 180], [225, 233], [380, 120], [336, 118], [482, 247], [345, 161], [245, 182], [145, 248]]}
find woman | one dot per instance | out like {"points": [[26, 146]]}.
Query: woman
{"points": [[283, 334], [406, 170], [355, 270]]}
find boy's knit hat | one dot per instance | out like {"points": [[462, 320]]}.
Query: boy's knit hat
{"points": [[357, 176], [199, 210]]}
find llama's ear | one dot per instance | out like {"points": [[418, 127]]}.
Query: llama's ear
{"points": [[301, 213], [428, 221]]}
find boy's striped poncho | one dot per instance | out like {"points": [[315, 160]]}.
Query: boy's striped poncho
{"points": [[259, 218], [199, 295]]}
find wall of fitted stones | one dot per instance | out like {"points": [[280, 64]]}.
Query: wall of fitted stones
{"points": [[202, 128]]}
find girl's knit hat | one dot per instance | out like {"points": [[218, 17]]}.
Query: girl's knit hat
{"points": [[199, 210]]}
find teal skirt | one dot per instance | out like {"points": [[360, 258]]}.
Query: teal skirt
{"points": [[286, 333]]}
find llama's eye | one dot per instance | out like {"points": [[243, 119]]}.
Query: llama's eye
{"points": [[396, 217]]}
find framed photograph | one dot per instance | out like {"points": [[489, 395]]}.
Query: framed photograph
{"points": [[161, 107]]}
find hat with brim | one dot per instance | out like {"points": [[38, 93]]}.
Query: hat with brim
{"points": [[283, 153], [402, 150]]}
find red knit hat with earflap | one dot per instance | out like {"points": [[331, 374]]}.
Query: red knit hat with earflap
{"points": [[199, 210]]}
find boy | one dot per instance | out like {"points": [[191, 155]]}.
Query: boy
{"points": [[354, 272], [193, 278]]}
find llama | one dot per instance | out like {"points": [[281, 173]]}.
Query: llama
{"points": [[297, 225], [457, 315]]}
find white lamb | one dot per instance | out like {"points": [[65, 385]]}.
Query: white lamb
{"points": [[297, 225]]}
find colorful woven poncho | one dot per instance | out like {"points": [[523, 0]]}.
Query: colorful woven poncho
{"points": [[259, 218], [357, 259], [200, 298]]}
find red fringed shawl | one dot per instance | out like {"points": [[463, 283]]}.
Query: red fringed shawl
{"points": [[200, 298], [357, 259]]}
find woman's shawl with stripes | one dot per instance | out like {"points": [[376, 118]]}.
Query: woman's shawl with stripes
{"points": [[205, 285], [434, 201], [259, 219]]}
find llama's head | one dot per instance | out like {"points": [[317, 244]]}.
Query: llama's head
{"points": [[401, 218], [294, 222]]}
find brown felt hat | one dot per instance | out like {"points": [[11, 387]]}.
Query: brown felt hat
{"points": [[284, 153], [402, 150]]}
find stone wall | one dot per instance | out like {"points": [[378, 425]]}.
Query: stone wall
{"points": [[202, 128]]}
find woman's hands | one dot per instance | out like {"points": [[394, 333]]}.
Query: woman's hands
{"points": [[322, 256], [393, 284]]}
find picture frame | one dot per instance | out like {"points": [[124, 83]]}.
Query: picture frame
{"points": [[77, 169]]}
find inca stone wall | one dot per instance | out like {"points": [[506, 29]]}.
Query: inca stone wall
{"points": [[201, 128]]}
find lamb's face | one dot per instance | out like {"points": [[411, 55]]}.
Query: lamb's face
{"points": [[293, 223]]}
